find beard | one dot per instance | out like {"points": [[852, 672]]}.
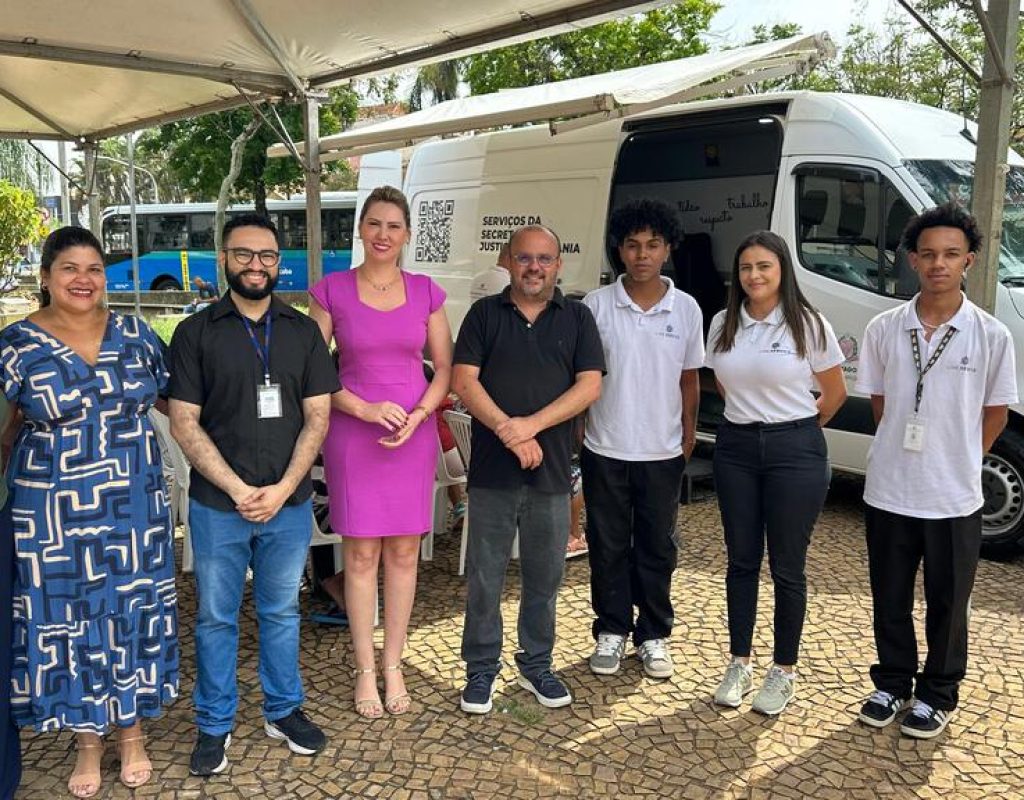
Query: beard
{"points": [[235, 281]]}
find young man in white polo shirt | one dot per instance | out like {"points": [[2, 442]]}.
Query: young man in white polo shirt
{"points": [[638, 437], [940, 372]]}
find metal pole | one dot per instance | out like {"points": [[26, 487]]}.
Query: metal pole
{"points": [[91, 196], [65, 194], [135, 230], [990, 167], [311, 168]]}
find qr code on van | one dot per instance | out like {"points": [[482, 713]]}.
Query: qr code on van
{"points": [[434, 230]]}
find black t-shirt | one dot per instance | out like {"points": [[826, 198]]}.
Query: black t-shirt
{"points": [[215, 364], [524, 367]]}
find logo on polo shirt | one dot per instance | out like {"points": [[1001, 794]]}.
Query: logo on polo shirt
{"points": [[778, 349], [668, 333], [963, 366]]}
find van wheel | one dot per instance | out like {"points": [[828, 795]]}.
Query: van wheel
{"points": [[166, 284], [1002, 481]]}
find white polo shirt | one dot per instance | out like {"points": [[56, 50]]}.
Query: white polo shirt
{"points": [[975, 370], [764, 377], [484, 284], [639, 416]]}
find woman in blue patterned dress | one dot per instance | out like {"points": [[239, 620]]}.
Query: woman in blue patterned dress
{"points": [[95, 632]]}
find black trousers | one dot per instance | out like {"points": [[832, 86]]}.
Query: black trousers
{"points": [[771, 482], [10, 751], [896, 547], [631, 538]]}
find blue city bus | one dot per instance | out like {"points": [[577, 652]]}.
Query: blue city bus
{"points": [[176, 241]]}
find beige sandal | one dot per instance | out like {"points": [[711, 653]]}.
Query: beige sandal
{"points": [[368, 707], [400, 703], [86, 783], [140, 766]]}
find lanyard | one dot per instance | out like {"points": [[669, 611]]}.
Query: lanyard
{"points": [[916, 347], [263, 351]]}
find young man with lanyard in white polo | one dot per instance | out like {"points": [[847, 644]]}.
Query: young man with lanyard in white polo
{"points": [[940, 372], [638, 437]]}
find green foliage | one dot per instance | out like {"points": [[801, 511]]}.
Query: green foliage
{"points": [[21, 224], [440, 81], [198, 151], [904, 62], [660, 35]]}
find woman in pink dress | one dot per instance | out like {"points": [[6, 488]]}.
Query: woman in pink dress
{"points": [[380, 454]]}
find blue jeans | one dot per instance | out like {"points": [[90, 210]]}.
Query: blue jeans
{"points": [[543, 522], [224, 545]]}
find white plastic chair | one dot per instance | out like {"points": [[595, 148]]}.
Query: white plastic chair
{"points": [[443, 478], [178, 481], [461, 427]]}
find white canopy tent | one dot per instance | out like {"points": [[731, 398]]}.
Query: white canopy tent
{"points": [[86, 71], [585, 100]]}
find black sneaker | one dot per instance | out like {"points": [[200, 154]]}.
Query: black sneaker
{"points": [[547, 688], [208, 756], [298, 730], [881, 709], [476, 697], [925, 722]]}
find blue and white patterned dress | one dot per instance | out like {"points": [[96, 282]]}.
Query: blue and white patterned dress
{"points": [[95, 609]]}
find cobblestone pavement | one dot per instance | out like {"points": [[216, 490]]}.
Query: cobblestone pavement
{"points": [[625, 736]]}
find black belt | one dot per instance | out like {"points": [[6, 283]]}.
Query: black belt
{"points": [[773, 426]]}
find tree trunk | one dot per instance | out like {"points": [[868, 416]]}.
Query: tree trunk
{"points": [[237, 149], [260, 196]]}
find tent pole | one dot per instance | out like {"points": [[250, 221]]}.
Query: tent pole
{"points": [[91, 197], [135, 229], [990, 167], [311, 169]]}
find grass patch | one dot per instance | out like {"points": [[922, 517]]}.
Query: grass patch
{"points": [[165, 324], [530, 714]]}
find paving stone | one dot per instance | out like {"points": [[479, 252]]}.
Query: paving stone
{"points": [[625, 735]]}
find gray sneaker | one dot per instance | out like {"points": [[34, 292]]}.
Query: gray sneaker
{"points": [[607, 655], [736, 684], [775, 693], [657, 661]]}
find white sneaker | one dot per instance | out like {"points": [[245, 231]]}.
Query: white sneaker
{"points": [[657, 661], [607, 656], [775, 693], [736, 684]]}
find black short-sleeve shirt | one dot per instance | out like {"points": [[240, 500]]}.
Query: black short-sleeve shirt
{"points": [[524, 367], [214, 364]]}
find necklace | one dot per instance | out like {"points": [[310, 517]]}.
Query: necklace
{"points": [[383, 287]]}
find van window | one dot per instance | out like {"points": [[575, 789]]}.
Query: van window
{"points": [[849, 223]]}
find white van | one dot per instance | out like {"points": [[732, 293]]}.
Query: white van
{"points": [[836, 175]]}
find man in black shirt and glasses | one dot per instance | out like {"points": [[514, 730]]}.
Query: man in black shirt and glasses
{"points": [[250, 400]]}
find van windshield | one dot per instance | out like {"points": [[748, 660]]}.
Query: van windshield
{"points": [[954, 180]]}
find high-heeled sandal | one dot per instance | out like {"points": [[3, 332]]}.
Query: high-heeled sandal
{"points": [[141, 765], [399, 703], [91, 781], [368, 707]]}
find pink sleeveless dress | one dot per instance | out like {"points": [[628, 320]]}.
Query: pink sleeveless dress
{"points": [[374, 491]]}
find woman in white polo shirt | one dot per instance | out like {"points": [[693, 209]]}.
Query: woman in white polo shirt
{"points": [[770, 350]]}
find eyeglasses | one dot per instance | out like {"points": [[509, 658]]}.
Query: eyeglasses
{"points": [[244, 256], [525, 259]]}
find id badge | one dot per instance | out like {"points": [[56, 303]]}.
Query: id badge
{"points": [[268, 401], [913, 434]]}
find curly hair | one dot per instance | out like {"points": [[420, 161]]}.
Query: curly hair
{"points": [[642, 215], [948, 215]]}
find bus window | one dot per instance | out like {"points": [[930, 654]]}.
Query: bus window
{"points": [[291, 226], [337, 230], [117, 234], [200, 234], [167, 232]]}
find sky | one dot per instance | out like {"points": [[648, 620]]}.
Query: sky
{"points": [[734, 22]]}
